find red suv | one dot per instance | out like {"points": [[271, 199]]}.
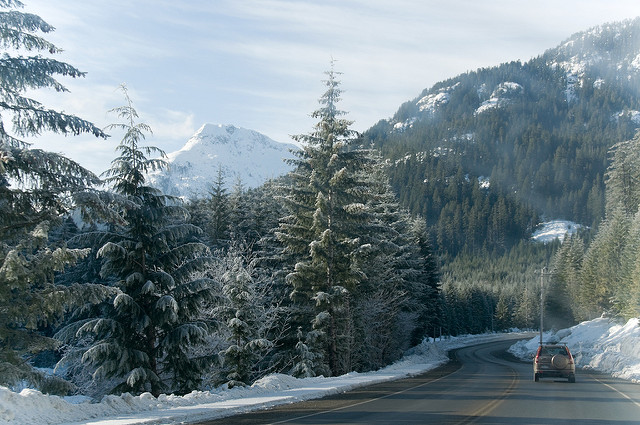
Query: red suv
{"points": [[554, 361]]}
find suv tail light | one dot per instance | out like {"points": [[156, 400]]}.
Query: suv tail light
{"points": [[570, 356]]}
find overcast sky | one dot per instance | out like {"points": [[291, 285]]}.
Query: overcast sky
{"points": [[259, 64]]}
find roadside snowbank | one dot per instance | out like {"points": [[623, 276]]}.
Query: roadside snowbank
{"points": [[602, 344], [34, 408]]}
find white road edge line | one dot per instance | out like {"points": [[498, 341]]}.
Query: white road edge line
{"points": [[618, 391]]}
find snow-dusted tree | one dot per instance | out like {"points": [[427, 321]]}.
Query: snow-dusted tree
{"points": [[36, 188], [398, 299], [305, 359], [211, 213], [250, 316], [327, 201], [143, 340]]}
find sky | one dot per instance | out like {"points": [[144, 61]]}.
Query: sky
{"points": [[259, 64]]}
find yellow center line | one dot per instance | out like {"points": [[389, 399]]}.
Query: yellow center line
{"points": [[484, 410], [362, 402]]}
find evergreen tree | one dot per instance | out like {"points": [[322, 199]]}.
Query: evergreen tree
{"points": [[627, 296], [143, 340], [563, 306], [211, 214], [425, 292], [623, 177], [602, 268], [240, 212], [327, 204], [397, 301], [502, 314], [36, 189], [304, 366], [219, 210], [250, 316]]}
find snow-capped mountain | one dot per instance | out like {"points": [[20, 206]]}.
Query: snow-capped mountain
{"points": [[241, 154], [602, 57]]}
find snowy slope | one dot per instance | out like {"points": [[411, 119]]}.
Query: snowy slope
{"points": [[241, 154], [599, 55], [555, 229]]}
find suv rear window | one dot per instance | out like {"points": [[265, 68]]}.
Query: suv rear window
{"points": [[552, 351]]}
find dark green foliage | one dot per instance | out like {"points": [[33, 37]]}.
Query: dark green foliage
{"points": [[144, 339], [494, 292], [564, 301], [603, 277], [361, 287], [543, 150], [36, 189], [327, 201], [215, 221], [462, 215], [485, 176]]}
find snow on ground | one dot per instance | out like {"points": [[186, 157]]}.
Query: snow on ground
{"points": [[603, 345], [34, 408], [555, 229]]}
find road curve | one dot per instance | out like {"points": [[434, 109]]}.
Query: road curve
{"points": [[482, 385]]}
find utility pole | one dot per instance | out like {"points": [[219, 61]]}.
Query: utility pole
{"points": [[543, 273]]}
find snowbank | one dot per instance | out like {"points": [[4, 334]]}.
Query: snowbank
{"points": [[32, 407], [602, 344]]}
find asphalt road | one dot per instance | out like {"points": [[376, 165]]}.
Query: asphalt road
{"points": [[481, 385]]}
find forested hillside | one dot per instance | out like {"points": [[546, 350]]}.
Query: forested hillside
{"points": [[601, 275], [487, 154]]}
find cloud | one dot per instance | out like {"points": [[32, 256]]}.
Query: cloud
{"points": [[258, 63], [172, 129]]}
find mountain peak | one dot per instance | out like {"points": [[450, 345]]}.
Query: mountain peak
{"points": [[216, 129], [222, 134], [242, 155]]}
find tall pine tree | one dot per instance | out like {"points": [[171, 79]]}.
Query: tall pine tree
{"points": [[36, 189], [143, 341], [327, 201]]}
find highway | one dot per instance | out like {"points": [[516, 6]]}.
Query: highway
{"points": [[481, 385]]}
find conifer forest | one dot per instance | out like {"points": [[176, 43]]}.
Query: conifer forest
{"points": [[372, 243]]}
